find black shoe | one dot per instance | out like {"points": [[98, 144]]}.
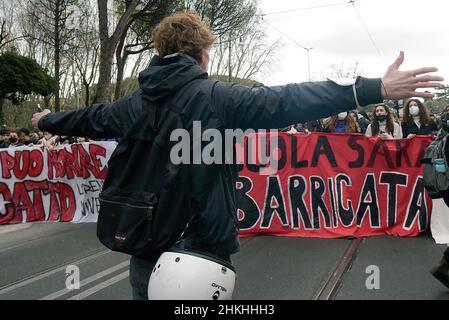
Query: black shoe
{"points": [[442, 272]]}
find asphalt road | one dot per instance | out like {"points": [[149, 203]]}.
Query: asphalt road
{"points": [[34, 260]]}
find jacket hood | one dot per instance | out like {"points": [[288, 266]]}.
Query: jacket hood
{"points": [[165, 76]]}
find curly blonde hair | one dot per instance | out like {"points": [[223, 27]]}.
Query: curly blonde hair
{"points": [[183, 32]]}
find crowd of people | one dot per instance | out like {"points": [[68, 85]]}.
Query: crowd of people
{"points": [[385, 122], [24, 137]]}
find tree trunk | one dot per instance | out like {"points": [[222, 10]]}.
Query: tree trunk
{"points": [[120, 73], [87, 99], [104, 80], [47, 102], [57, 56], [108, 46], [121, 63], [1, 112]]}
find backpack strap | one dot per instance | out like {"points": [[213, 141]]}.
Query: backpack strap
{"points": [[150, 114]]}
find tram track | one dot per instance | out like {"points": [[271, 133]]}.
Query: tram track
{"points": [[328, 289]]}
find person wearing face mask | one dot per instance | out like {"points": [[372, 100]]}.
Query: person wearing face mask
{"points": [[342, 123], [14, 140], [416, 120], [383, 125]]}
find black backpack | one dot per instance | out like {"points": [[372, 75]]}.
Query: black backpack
{"points": [[145, 204], [436, 182]]}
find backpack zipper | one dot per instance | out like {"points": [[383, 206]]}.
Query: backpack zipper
{"points": [[149, 213], [149, 209], [124, 204]]}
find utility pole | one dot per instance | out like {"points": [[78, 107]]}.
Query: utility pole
{"points": [[229, 59], [75, 86], [77, 99], [308, 62]]}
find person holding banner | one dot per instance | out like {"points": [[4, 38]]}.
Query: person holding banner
{"points": [[344, 122], [417, 120], [383, 124], [182, 42]]}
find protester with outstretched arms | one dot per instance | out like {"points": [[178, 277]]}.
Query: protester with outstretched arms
{"points": [[238, 106], [177, 76]]}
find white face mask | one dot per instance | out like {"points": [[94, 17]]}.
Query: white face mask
{"points": [[414, 111], [342, 116]]}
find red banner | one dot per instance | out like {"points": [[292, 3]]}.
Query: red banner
{"points": [[335, 185]]}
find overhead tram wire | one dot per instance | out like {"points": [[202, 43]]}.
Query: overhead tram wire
{"points": [[261, 16], [351, 2], [285, 35], [367, 31], [307, 8], [303, 9], [294, 41]]}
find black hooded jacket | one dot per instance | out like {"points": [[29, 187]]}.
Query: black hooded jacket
{"points": [[220, 106]]}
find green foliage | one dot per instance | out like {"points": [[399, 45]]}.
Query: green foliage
{"points": [[441, 100], [21, 76], [442, 93], [148, 15], [225, 16]]}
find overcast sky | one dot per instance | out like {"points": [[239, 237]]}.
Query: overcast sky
{"points": [[418, 27]]}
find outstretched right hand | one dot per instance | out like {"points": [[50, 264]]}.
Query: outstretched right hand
{"points": [[403, 84]]}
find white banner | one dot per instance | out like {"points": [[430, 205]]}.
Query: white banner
{"points": [[59, 185]]}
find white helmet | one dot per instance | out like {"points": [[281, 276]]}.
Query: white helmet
{"points": [[190, 275]]}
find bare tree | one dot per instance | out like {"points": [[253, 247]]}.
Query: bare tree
{"points": [[3, 34], [246, 55], [8, 34], [85, 50], [241, 49], [343, 71], [52, 17], [32, 47]]}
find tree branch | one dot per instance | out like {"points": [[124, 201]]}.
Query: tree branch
{"points": [[123, 22]]}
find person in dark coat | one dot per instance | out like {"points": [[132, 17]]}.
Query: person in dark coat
{"points": [[416, 120], [182, 42]]}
